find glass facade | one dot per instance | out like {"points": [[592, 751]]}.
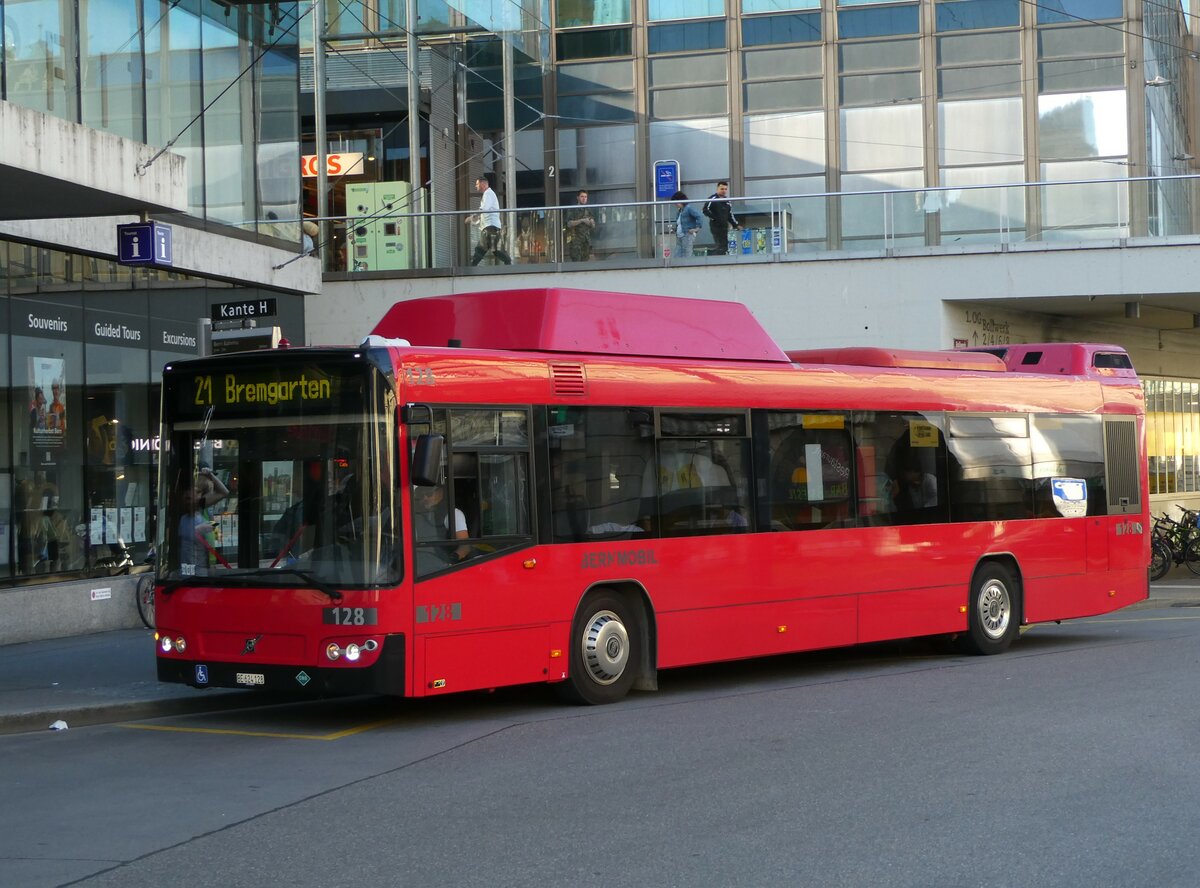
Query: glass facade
{"points": [[1173, 435], [82, 346], [792, 99], [218, 82]]}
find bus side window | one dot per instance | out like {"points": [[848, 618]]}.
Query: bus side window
{"points": [[597, 459], [810, 471]]}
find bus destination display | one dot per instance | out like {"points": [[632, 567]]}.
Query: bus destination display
{"points": [[280, 390]]}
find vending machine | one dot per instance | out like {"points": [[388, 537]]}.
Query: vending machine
{"points": [[378, 225]]}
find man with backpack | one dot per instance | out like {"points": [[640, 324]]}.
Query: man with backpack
{"points": [[720, 218]]}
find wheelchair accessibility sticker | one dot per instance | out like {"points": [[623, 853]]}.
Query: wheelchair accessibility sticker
{"points": [[201, 674]]}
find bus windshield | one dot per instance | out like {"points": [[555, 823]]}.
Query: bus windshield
{"points": [[296, 492]]}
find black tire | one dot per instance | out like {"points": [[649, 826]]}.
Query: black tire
{"points": [[993, 611], [605, 650], [1161, 559], [1191, 555], [144, 593]]}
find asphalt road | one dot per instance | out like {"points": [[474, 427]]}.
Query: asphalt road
{"points": [[1071, 760]]}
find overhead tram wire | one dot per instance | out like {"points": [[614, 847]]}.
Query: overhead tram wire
{"points": [[400, 205], [141, 167]]}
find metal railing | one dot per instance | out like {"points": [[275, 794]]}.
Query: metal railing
{"points": [[782, 227]]}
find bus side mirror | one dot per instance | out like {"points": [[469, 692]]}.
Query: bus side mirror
{"points": [[427, 460]]}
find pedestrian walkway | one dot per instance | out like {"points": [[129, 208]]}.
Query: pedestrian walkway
{"points": [[94, 679], [110, 676]]}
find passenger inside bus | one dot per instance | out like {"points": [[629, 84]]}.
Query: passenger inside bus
{"points": [[197, 531], [914, 489], [696, 494]]}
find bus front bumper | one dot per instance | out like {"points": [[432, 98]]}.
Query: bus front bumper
{"points": [[384, 676]]}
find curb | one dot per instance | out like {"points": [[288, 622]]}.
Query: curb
{"points": [[84, 714]]}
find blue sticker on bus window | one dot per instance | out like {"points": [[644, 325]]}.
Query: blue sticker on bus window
{"points": [[1070, 496], [201, 674]]}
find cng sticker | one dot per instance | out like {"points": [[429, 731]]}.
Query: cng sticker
{"points": [[201, 674], [303, 678]]}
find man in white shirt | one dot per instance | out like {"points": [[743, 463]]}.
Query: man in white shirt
{"points": [[488, 219], [432, 520]]}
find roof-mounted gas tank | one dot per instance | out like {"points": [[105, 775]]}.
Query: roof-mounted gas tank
{"points": [[1098, 361], [557, 319]]}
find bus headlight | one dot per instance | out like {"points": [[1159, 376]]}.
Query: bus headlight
{"points": [[166, 644], [352, 652]]}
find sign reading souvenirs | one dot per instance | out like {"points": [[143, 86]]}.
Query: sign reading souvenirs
{"points": [[247, 308], [145, 244]]}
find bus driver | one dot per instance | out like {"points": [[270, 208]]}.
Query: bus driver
{"points": [[432, 521]]}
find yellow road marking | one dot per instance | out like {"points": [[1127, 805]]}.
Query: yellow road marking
{"points": [[279, 735], [1068, 621]]}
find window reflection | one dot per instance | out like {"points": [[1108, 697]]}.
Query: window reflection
{"points": [[965, 14], [1082, 124], [575, 13], [596, 156], [39, 68], [976, 133], [111, 67], [701, 145], [785, 144], [661, 10], [881, 138]]}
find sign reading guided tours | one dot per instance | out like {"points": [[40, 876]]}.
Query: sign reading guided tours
{"points": [[145, 243], [666, 179]]}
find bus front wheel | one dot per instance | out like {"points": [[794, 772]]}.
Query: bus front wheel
{"points": [[604, 650], [993, 612]]}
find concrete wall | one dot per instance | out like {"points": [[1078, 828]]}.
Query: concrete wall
{"points": [[205, 254], [913, 301], [59, 610], [49, 164]]}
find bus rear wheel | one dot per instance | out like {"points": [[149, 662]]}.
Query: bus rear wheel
{"points": [[604, 650], [993, 611]]}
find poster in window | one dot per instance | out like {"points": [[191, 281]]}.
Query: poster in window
{"points": [[47, 402]]}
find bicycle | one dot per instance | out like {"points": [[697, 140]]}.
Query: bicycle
{"points": [[1175, 542], [144, 593]]}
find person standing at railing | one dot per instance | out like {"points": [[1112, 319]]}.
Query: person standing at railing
{"points": [[687, 223], [579, 228], [720, 218], [488, 219]]}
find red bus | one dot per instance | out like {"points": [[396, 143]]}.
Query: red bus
{"points": [[584, 488]]}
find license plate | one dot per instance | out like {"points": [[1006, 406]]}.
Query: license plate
{"points": [[250, 678]]}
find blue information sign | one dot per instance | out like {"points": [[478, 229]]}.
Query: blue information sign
{"points": [[666, 179], [145, 243]]}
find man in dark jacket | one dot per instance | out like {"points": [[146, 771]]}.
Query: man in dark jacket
{"points": [[720, 218]]}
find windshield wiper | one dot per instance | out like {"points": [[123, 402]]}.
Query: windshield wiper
{"points": [[305, 575], [308, 577]]}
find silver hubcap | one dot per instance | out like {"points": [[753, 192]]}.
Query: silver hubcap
{"points": [[995, 609], [605, 647]]}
